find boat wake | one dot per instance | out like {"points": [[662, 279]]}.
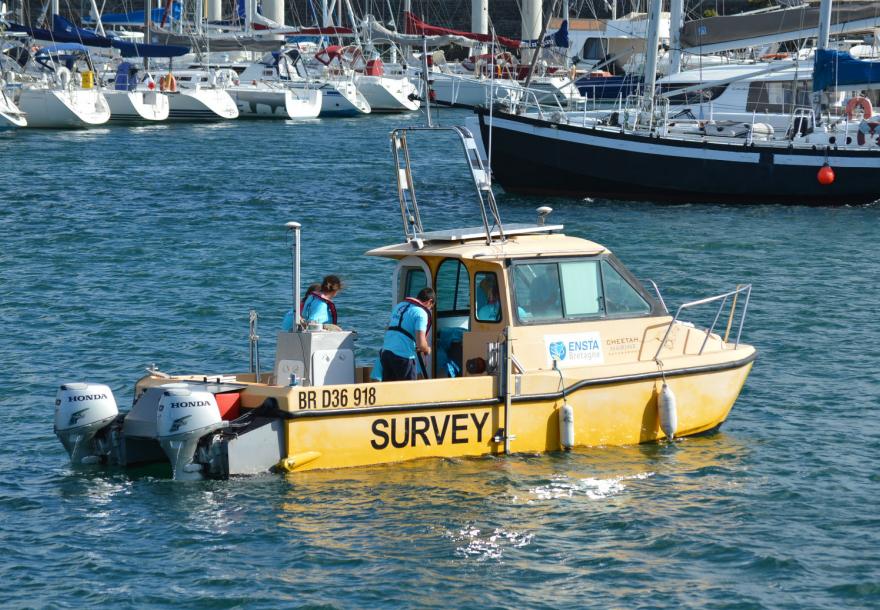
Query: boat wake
{"points": [[595, 489]]}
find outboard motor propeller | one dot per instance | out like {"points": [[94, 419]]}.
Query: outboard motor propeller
{"points": [[81, 410], [185, 416]]}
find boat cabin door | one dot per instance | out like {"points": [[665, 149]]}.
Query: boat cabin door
{"points": [[410, 276]]}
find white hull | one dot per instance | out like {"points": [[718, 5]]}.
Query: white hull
{"points": [[386, 94], [201, 105], [280, 103], [10, 115], [137, 106], [337, 98], [454, 90], [63, 108]]}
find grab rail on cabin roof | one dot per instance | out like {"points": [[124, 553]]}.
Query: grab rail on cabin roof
{"points": [[413, 228], [741, 288]]}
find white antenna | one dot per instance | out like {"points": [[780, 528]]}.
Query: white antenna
{"points": [[295, 227], [543, 212]]}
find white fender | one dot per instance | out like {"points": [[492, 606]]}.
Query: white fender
{"points": [[566, 426], [667, 411]]}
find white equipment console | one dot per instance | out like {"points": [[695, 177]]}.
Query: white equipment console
{"points": [[321, 357]]}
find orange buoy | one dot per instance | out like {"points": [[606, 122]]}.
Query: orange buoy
{"points": [[859, 102], [825, 175]]}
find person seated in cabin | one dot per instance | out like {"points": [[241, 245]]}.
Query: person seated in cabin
{"points": [[406, 337], [488, 301], [317, 307]]}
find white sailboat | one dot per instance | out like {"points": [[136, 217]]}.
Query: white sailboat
{"points": [[273, 100], [197, 95], [131, 101], [58, 98]]}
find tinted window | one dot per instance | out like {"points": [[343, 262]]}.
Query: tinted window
{"points": [[573, 289], [538, 295], [486, 297], [415, 281], [620, 297], [453, 288]]}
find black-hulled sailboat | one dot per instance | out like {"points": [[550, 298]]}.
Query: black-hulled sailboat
{"points": [[641, 153]]}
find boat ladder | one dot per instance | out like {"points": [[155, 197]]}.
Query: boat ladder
{"points": [[409, 207]]}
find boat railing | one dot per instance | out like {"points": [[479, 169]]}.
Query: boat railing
{"points": [[744, 289], [656, 288], [529, 100]]}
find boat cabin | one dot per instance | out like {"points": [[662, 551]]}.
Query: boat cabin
{"points": [[537, 285]]}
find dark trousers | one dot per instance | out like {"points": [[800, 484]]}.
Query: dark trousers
{"points": [[395, 368]]}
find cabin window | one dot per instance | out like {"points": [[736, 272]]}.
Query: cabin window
{"points": [[537, 292], [620, 297], [573, 289], [778, 97], [414, 281], [486, 297], [453, 290], [692, 97], [453, 311]]}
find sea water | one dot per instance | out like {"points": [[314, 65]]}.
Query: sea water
{"points": [[127, 246]]}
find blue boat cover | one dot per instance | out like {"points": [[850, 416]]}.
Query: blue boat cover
{"points": [[558, 39], [137, 17], [839, 68]]}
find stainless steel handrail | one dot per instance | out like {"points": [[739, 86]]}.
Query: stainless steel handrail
{"points": [[481, 175], [744, 288]]}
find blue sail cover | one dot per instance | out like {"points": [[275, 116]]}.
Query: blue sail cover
{"points": [[137, 17], [67, 34], [136, 49], [559, 39], [839, 69], [62, 31]]}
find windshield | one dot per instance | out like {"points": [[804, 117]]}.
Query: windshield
{"points": [[573, 289]]}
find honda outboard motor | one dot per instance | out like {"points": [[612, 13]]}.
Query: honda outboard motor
{"points": [[81, 410], [183, 418]]}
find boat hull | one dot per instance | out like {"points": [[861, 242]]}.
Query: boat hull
{"points": [[365, 424], [280, 103], [388, 94], [201, 105], [10, 116], [63, 108], [535, 156], [137, 106], [469, 92]]}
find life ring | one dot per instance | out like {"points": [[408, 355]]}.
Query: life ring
{"points": [[63, 75], [867, 133], [860, 102], [772, 56]]}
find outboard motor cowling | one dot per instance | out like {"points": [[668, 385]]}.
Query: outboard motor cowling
{"points": [[183, 418], [81, 410]]}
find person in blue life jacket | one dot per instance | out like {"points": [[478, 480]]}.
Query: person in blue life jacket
{"points": [[406, 336], [317, 306]]}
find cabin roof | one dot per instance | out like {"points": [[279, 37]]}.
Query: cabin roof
{"points": [[516, 246]]}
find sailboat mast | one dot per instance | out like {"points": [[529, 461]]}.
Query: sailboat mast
{"points": [[824, 24], [676, 22], [480, 22], [147, 8], [651, 42], [531, 26]]}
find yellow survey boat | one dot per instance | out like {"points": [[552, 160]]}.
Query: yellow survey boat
{"points": [[541, 342]]}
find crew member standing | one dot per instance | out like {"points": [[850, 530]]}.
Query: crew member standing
{"points": [[317, 306], [406, 337]]}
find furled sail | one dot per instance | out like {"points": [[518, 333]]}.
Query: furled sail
{"points": [[716, 34], [136, 18], [414, 25]]}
